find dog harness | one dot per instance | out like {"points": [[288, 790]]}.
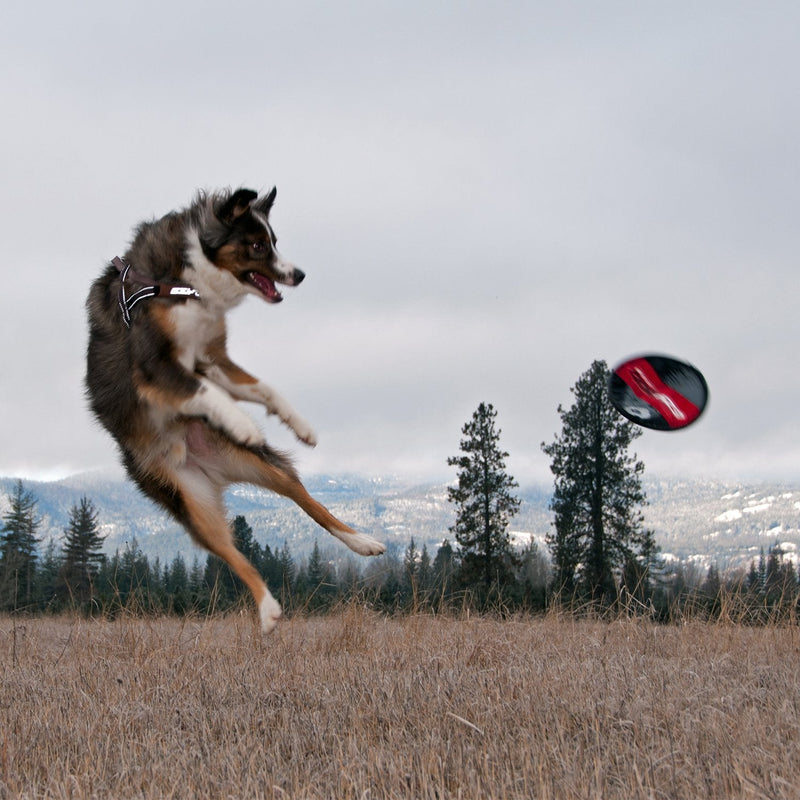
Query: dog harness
{"points": [[177, 291]]}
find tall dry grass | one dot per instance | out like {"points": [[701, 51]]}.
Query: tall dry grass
{"points": [[355, 705]]}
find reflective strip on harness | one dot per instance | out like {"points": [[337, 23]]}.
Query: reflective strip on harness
{"points": [[126, 303]]}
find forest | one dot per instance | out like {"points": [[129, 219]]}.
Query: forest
{"points": [[77, 575]]}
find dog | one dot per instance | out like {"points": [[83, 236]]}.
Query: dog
{"points": [[159, 378]]}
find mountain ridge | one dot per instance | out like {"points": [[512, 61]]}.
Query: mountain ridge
{"points": [[696, 521]]}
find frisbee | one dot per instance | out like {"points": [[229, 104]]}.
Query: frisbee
{"points": [[658, 392]]}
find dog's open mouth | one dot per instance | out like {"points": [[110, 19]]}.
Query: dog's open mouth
{"points": [[264, 285]]}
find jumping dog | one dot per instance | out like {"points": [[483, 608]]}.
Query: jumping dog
{"points": [[160, 380]]}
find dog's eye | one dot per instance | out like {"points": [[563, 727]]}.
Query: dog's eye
{"points": [[259, 246]]}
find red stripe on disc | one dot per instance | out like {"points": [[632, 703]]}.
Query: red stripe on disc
{"points": [[646, 385]]}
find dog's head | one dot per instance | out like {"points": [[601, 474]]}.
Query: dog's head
{"points": [[236, 237]]}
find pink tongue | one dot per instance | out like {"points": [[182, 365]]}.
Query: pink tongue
{"points": [[265, 285]]}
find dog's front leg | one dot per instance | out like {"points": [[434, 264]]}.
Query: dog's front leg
{"points": [[243, 386], [211, 402]]}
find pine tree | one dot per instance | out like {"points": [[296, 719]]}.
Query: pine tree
{"points": [[156, 586], [444, 569], [18, 542], [753, 579], [350, 581], [599, 527], [772, 582], [424, 575], [484, 506], [270, 568], [319, 580], [177, 586], [197, 588], [82, 554], [532, 576], [287, 571], [131, 579], [316, 569], [781, 585], [410, 573], [244, 539], [218, 579], [712, 584], [48, 576]]}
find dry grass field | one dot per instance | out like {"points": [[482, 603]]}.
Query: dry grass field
{"points": [[355, 705]]}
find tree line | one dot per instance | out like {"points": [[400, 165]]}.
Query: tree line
{"points": [[77, 574], [601, 556]]}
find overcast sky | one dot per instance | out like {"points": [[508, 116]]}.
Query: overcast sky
{"points": [[486, 197]]}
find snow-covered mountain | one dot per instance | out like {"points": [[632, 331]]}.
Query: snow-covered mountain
{"points": [[724, 523], [701, 521]]}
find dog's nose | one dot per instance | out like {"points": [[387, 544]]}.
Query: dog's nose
{"points": [[297, 276]]}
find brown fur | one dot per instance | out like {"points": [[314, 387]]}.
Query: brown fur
{"points": [[166, 389]]}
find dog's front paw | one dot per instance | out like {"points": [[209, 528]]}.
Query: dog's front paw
{"points": [[246, 432], [302, 430], [305, 433]]}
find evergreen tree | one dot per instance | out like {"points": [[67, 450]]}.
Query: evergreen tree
{"points": [[18, 554], [598, 494], [245, 541], [197, 587], [286, 572], [753, 579], [780, 586], [444, 569], [350, 582], [424, 575], [390, 584], [156, 586], [270, 568], [319, 582], [636, 579], [712, 584], [316, 568], [218, 584], [48, 577], [532, 577], [82, 554], [772, 579], [177, 586], [130, 580], [762, 571], [410, 573], [484, 505]]}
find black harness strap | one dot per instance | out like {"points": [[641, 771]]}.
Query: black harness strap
{"points": [[177, 291]]}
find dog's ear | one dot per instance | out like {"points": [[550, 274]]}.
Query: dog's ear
{"points": [[236, 205], [265, 204]]}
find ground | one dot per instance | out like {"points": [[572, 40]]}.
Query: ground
{"points": [[357, 705]]}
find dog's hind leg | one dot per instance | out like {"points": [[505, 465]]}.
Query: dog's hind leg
{"points": [[289, 485], [263, 466], [203, 513]]}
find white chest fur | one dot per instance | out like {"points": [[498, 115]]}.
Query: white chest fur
{"points": [[196, 325]]}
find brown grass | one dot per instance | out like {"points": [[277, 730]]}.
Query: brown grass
{"points": [[359, 706]]}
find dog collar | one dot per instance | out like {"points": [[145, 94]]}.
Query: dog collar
{"points": [[177, 291]]}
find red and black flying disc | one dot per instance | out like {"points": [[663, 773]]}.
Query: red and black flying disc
{"points": [[658, 392]]}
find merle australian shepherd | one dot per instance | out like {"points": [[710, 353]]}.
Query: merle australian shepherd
{"points": [[159, 377]]}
